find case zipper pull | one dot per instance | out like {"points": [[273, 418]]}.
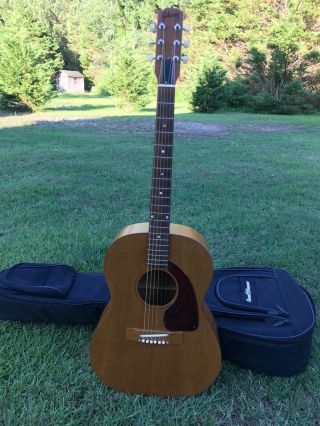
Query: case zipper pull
{"points": [[277, 312], [281, 322], [283, 312]]}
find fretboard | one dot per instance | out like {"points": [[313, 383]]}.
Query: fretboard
{"points": [[159, 219]]}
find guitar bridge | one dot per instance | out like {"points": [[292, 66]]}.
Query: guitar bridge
{"points": [[154, 337]]}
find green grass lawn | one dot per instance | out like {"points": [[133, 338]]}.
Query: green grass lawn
{"points": [[77, 172]]}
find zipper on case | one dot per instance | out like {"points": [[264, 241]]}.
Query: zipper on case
{"points": [[277, 311], [275, 320]]}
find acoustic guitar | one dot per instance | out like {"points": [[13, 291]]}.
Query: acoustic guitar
{"points": [[157, 336]]}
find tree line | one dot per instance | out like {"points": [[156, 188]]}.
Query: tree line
{"points": [[249, 55]]}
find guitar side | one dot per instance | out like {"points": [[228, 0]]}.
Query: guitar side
{"points": [[191, 361]]}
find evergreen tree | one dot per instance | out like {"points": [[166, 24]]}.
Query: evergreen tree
{"points": [[29, 59], [129, 78]]}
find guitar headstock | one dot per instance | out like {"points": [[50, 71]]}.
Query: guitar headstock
{"points": [[168, 45]]}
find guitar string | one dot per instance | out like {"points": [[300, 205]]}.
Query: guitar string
{"points": [[153, 244], [170, 138], [165, 139], [158, 189], [164, 95], [149, 247], [167, 162]]}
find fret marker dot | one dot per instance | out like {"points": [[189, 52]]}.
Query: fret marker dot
{"points": [[164, 125], [162, 151], [167, 217], [151, 216], [158, 236], [160, 193], [162, 174]]}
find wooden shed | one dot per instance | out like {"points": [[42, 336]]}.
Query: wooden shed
{"points": [[70, 81]]}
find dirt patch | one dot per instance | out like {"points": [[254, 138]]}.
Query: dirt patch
{"points": [[182, 128], [143, 125]]}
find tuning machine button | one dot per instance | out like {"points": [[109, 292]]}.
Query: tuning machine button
{"points": [[186, 43], [184, 59], [186, 28], [150, 57], [153, 27]]}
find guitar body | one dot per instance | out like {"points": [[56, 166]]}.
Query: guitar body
{"points": [[161, 340]]}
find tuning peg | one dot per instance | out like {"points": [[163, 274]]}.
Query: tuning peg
{"points": [[153, 28], [186, 28], [150, 57], [186, 43], [184, 59], [151, 42]]}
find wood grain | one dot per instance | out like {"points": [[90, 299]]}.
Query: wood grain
{"points": [[166, 370]]}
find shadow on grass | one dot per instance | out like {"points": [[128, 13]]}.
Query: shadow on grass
{"points": [[64, 95], [84, 107]]}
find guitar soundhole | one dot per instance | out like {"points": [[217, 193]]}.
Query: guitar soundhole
{"points": [[157, 287]]}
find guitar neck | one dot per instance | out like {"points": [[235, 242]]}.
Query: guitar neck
{"points": [[159, 219]]}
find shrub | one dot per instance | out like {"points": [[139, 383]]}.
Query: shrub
{"points": [[128, 78], [236, 94], [101, 86], [28, 60], [208, 95]]}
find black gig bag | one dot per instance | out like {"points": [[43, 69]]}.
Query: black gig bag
{"points": [[265, 319], [32, 292]]}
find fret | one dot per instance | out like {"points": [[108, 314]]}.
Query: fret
{"points": [[163, 168], [164, 118], [163, 156], [162, 131], [161, 178], [166, 103], [153, 213], [162, 152], [161, 190]]}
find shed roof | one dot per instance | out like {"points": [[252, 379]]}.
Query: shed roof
{"points": [[71, 73]]}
